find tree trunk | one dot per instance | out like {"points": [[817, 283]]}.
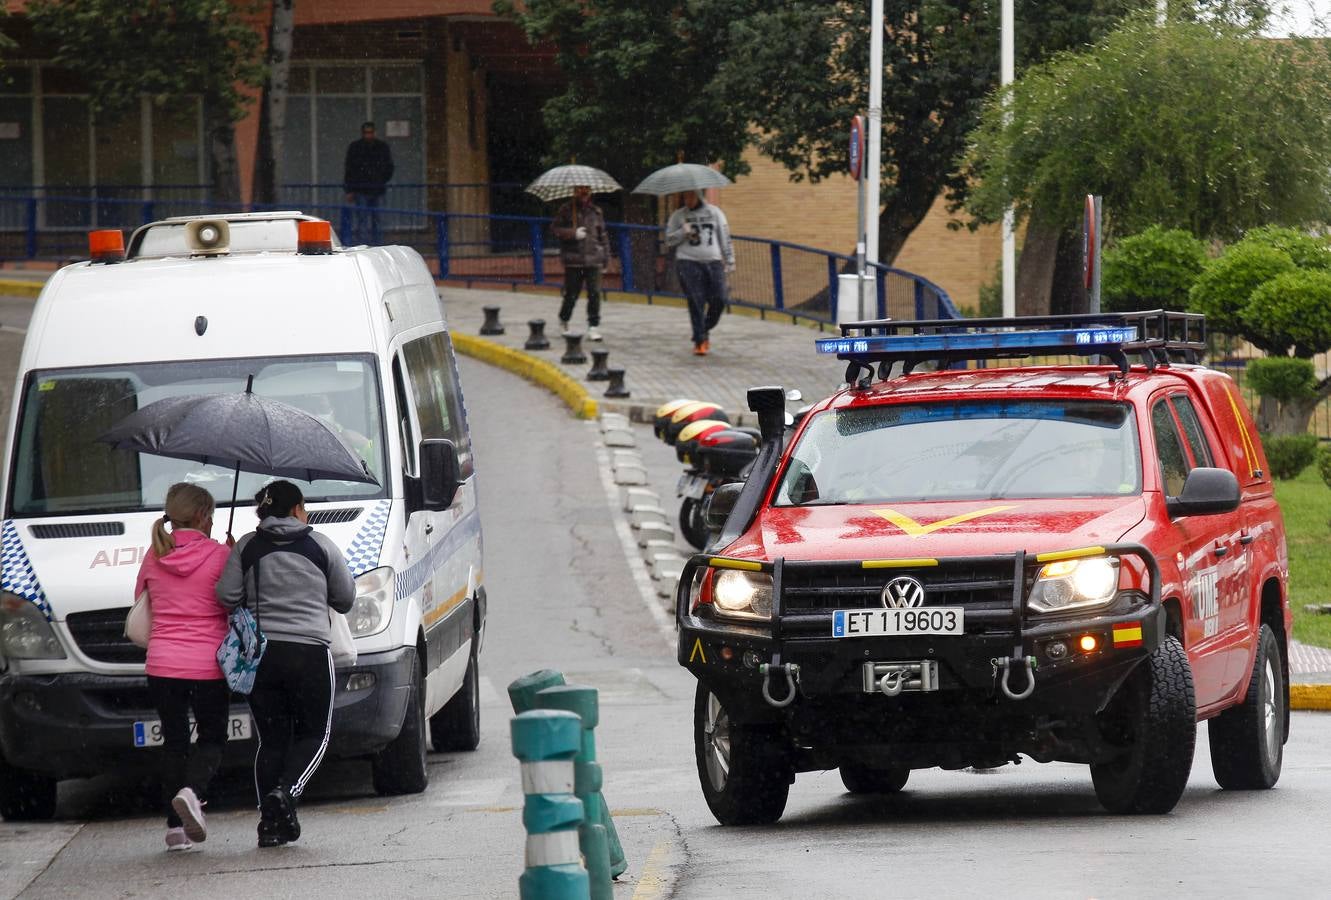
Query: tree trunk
{"points": [[1294, 417], [222, 151], [896, 222], [1068, 289], [1035, 268], [273, 108]]}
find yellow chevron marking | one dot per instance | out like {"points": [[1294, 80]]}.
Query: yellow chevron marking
{"points": [[915, 529], [1248, 449], [720, 562], [698, 651], [1059, 555]]}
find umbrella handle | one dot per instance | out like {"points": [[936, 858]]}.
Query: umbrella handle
{"points": [[235, 487]]}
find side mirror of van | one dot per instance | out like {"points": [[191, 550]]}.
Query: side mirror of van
{"points": [[441, 473], [720, 504], [1206, 491]]}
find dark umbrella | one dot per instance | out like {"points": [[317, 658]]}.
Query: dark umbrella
{"points": [[240, 431]]}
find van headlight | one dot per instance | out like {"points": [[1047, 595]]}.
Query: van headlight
{"points": [[742, 595], [24, 631], [374, 602], [1071, 584]]}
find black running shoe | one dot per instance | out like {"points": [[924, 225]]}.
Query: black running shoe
{"points": [[268, 836], [278, 808]]}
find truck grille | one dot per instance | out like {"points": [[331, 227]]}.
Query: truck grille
{"points": [[100, 635], [978, 585]]}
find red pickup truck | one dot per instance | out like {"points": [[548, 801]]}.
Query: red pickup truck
{"points": [[960, 567]]}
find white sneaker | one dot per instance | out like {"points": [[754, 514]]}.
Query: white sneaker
{"points": [[176, 840], [190, 810], [593, 335]]}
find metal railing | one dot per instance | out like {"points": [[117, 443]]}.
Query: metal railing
{"points": [[773, 277]]}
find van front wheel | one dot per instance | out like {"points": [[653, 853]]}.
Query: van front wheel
{"points": [[399, 768]]}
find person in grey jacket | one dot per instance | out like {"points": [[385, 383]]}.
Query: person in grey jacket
{"points": [[290, 577], [704, 254]]}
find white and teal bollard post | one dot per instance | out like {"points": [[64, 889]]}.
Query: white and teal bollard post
{"points": [[546, 742]]}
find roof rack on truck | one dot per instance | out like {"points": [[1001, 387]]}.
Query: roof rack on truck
{"points": [[1157, 336]]}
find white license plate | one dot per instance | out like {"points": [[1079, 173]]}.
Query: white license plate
{"points": [[890, 622], [691, 486], [148, 733]]}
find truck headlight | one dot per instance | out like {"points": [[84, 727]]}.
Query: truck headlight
{"points": [[374, 602], [742, 595], [1075, 584], [24, 631]]}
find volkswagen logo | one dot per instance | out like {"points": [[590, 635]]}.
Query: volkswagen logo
{"points": [[903, 593]]}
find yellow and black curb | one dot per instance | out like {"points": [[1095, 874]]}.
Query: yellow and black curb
{"points": [[537, 371], [1310, 696], [20, 287]]}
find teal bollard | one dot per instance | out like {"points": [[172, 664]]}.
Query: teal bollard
{"points": [[546, 742], [523, 694], [597, 827]]}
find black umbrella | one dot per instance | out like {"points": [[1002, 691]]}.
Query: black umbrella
{"points": [[240, 431]]}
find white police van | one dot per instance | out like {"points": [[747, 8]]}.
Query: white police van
{"points": [[197, 305]]}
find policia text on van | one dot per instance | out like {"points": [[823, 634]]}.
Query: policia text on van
{"points": [[356, 336]]}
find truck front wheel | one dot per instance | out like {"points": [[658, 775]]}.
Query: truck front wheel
{"points": [[25, 796], [1248, 740], [745, 770], [1153, 719]]}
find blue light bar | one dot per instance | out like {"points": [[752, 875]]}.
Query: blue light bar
{"points": [[1066, 339]]}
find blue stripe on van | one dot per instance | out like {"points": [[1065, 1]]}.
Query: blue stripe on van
{"points": [[413, 578], [363, 554], [16, 572]]}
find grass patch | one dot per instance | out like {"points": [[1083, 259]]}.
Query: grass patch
{"points": [[1306, 504]]}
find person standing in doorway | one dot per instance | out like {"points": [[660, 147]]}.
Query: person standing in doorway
{"points": [[584, 248], [704, 254], [368, 168], [291, 576], [180, 574]]}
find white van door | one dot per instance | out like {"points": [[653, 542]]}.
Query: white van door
{"points": [[418, 537]]}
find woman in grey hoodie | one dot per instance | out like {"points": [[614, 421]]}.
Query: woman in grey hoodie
{"points": [[290, 577]]}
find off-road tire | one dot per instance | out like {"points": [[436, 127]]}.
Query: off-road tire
{"points": [[458, 725], [1153, 716], [1247, 741], [26, 796], [755, 786], [692, 524], [864, 780], [400, 768]]}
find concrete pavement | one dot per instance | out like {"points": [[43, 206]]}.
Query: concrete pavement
{"points": [[651, 342]]}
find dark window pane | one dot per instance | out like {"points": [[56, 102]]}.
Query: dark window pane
{"points": [[1173, 464], [1192, 430], [341, 80]]}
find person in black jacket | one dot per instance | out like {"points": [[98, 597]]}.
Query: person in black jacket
{"points": [[291, 576], [369, 166]]}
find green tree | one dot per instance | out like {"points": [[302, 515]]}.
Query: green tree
{"points": [[1192, 125], [124, 49], [1152, 270]]}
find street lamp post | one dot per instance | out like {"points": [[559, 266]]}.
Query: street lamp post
{"points": [[875, 160], [1006, 71]]}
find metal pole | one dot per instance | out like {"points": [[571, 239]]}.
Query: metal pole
{"points": [[875, 160], [1095, 257], [1161, 11], [861, 315], [1007, 68]]}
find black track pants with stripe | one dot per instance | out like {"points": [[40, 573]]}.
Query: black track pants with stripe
{"points": [[292, 703]]}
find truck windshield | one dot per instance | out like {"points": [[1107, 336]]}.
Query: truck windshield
{"points": [[966, 450], [59, 468]]}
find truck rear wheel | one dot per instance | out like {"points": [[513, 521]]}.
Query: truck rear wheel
{"points": [[864, 780], [399, 768], [458, 725], [1248, 740], [25, 796], [745, 770], [1153, 717]]}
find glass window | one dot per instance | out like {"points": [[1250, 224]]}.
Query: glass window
{"points": [[1192, 430], [16, 80], [408, 434], [963, 451], [16, 141], [61, 469], [432, 373], [1173, 464], [395, 80], [298, 80], [176, 146], [341, 80]]}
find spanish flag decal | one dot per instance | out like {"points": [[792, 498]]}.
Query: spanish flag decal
{"points": [[1129, 635]]}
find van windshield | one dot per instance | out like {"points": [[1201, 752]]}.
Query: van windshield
{"points": [[60, 468], [971, 450]]}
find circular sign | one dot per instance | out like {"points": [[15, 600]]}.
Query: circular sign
{"points": [[856, 154], [1088, 241]]}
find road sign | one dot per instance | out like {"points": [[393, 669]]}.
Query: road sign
{"points": [[1088, 241], [856, 146]]}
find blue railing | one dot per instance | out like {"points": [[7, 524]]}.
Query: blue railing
{"points": [[774, 277]]}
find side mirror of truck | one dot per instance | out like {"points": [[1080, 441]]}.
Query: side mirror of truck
{"points": [[721, 503], [1206, 492], [441, 474]]}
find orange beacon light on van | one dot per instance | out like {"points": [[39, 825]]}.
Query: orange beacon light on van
{"points": [[314, 237], [106, 245]]}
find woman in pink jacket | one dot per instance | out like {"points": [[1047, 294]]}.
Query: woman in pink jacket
{"points": [[188, 624]]}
